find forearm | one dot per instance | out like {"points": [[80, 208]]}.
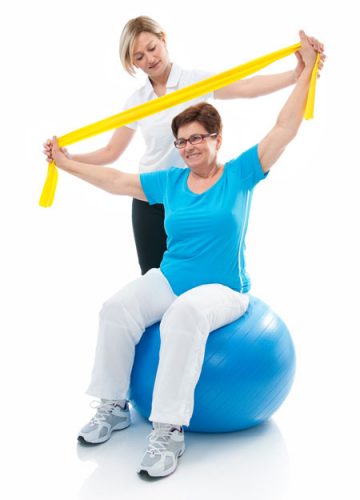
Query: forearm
{"points": [[287, 123], [256, 86], [100, 176], [102, 156], [292, 113], [108, 154], [266, 84]]}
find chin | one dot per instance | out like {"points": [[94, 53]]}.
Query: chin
{"points": [[158, 70]]}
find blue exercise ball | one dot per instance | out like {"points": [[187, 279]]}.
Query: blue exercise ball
{"points": [[248, 371]]}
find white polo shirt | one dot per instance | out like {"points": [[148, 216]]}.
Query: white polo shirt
{"points": [[160, 153]]}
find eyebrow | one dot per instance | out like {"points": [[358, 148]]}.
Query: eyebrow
{"points": [[147, 46], [195, 133]]}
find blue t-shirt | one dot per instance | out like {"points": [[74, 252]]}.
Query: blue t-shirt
{"points": [[206, 232]]}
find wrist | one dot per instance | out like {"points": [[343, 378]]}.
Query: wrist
{"points": [[307, 71], [296, 74], [66, 163], [304, 71]]}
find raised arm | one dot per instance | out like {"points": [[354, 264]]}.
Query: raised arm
{"points": [[111, 180], [266, 84], [291, 115]]}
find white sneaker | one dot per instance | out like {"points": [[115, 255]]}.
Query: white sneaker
{"points": [[166, 445], [110, 416]]}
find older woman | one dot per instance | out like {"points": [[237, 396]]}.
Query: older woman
{"points": [[143, 47], [202, 282]]}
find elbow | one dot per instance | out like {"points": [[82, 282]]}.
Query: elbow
{"points": [[288, 131], [291, 135], [115, 184], [110, 154]]}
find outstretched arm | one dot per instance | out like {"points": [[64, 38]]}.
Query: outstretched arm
{"points": [[111, 180], [266, 84], [291, 115]]}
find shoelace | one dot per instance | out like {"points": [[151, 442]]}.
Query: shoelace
{"points": [[103, 410], [158, 440]]}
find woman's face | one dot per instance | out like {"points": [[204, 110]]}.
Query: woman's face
{"points": [[203, 154], [150, 54]]}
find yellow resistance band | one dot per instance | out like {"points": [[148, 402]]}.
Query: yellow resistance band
{"points": [[167, 101]]}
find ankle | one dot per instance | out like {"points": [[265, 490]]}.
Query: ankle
{"points": [[116, 402], [160, 425]]}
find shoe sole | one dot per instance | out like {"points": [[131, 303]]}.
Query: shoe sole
{"points": [[167, 473], [118, 427]]}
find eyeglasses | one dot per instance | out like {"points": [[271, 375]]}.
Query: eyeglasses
{"points": [[193, 139]]}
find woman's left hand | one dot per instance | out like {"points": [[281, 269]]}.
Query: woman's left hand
{"points": [[58, 154], [309, 42]]}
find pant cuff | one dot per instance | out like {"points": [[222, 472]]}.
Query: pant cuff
{"points": [[169, 418], [114, 396]]}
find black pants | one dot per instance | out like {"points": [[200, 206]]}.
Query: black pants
{"points": [[149, 234]]}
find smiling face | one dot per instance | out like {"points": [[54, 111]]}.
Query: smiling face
{"points": [[202, 156], [149, 54]]}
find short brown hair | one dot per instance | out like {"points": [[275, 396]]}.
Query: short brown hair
{"points": [[203, 113]]}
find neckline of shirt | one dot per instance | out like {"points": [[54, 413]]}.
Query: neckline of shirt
{"points": [[210, 188], [172, 81]]}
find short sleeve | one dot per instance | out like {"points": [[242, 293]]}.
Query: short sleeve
{"points": [[130, 103], [154, 185], [247, 169]]}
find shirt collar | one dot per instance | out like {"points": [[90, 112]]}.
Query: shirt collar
{"points": [[172, 81], [174, 76]]}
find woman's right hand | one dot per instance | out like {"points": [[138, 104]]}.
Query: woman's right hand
{"points": [[48, 151], [310, 47]]}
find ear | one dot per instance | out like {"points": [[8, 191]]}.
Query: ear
{"points": [[218, 141]]}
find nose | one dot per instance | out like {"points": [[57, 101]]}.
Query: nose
{"points": [[188, 147], [151, 60]]}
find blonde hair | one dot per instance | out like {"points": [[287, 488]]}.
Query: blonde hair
{"points": [[131, 30]]}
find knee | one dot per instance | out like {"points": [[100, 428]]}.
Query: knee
{"points": [[116, 308], [110, 310], [184, 317]]}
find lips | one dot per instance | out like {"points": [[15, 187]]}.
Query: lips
{"points": [[154, 65], [192, 155]]}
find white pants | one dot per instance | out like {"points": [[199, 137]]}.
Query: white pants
{"points": [[186, 322]]}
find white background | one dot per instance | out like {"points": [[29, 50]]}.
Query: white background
{"points": [[60, 71]]}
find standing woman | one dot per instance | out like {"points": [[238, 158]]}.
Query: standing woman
{"points": [[143, 46]]}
